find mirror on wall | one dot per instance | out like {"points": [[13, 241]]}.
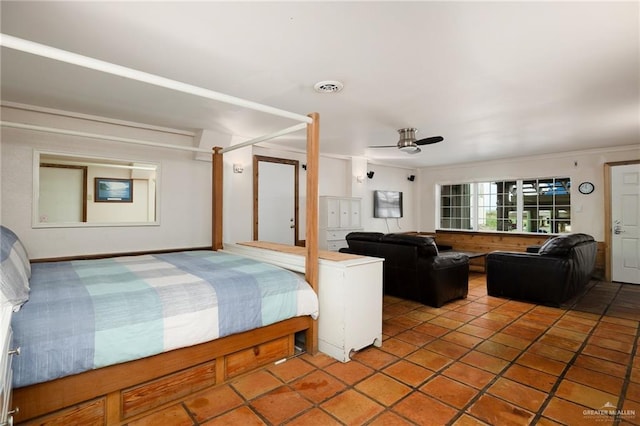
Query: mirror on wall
{"points": [[74, 190]]}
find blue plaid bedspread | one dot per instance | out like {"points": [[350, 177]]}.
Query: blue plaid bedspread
{"points": [[83, 315]]}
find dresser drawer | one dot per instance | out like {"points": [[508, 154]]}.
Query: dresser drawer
{"points": [[336, 235], [336, 245]]}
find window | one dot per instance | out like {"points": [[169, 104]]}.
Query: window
{"points": [[531, 205]]}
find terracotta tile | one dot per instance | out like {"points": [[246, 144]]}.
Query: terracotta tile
{"points": [[509, 340], [612, 344], [213, 402], [498, 412], [449, 391], [398, 347], [391, 329], [566, 412], [389, 418], [349, 372], [531, 377], [291, 370], [467, 420], [517, 306], [567, 323], [541, 363], [603, 366], [630, 413], [424, 410], [451, 324], [584, 395], [242, 416], [404, 321], [552, 352], [319, 359], [173, 415], [431, 329], [280, 404], [408, 372], [352, 407], [420, 315], [383, 389], [313, 417], [462, 339], [458, 316], [545, 421], [415, 337], [539, 318], [484, 361], [490, 324], [567, 334], [621, 321], [474, 330], [558, 342], [468, 375], [615, 328], [522, 331], [255, 384], [374, 357], [595, 379], [318, 386], [429, 359], [633, 392], [518, 394], [498, 350], [395, 309], [607, 354], [450, 350]]}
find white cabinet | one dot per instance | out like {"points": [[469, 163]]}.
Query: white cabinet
{"points": [[338, 216], [349, 294]]}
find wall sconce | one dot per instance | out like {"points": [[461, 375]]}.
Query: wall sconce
{"points": [[237, 168], [370, 174], [411, 178], [304, 167]]}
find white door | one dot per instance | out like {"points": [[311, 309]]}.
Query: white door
{"points": [[625, 229], [276, 202]]}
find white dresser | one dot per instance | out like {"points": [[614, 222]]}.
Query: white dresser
{"points": [[6, 355], [338, 216], [350, 294]]}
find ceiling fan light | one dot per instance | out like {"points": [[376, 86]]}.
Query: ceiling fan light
{"points": [[410, 149]]}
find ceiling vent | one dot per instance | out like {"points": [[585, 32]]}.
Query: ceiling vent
{"points": [[328, 86]]}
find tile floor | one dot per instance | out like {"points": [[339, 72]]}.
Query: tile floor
{"points": [[477, 361]]}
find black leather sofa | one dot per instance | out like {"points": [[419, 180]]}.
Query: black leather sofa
{"points": [[413, 269], [559, 270]]}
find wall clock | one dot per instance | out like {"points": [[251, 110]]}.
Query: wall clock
{"points": [[586, 188]]}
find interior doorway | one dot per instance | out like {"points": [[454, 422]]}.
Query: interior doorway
{"points": [[275, 198], [623, 221]]}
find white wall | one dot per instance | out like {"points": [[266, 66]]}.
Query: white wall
{"points": [[587, 211], [185, 185]]}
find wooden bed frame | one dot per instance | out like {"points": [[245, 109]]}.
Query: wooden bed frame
{"points": [[118, 394]]}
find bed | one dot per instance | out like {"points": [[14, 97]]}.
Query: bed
{"points": [[103, 385]]}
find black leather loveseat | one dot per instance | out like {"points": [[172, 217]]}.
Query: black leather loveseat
{"points": [[560, 269], [412, 267]]}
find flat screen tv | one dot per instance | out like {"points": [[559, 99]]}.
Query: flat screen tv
{"points": [[387, 204]]}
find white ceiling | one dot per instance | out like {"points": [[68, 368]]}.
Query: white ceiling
{"points": [[495, 79]]}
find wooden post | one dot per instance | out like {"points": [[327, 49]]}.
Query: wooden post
{"points": [[311, 261], [216, 198]]}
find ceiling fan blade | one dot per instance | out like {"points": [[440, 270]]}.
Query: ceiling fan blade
{"points": [[383, 146], [429, 141]]}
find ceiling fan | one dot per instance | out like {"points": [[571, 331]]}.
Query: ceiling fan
{"points": [[408, 142]]}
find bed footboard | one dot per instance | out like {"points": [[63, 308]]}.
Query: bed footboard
{"points": [[120, 393]]}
